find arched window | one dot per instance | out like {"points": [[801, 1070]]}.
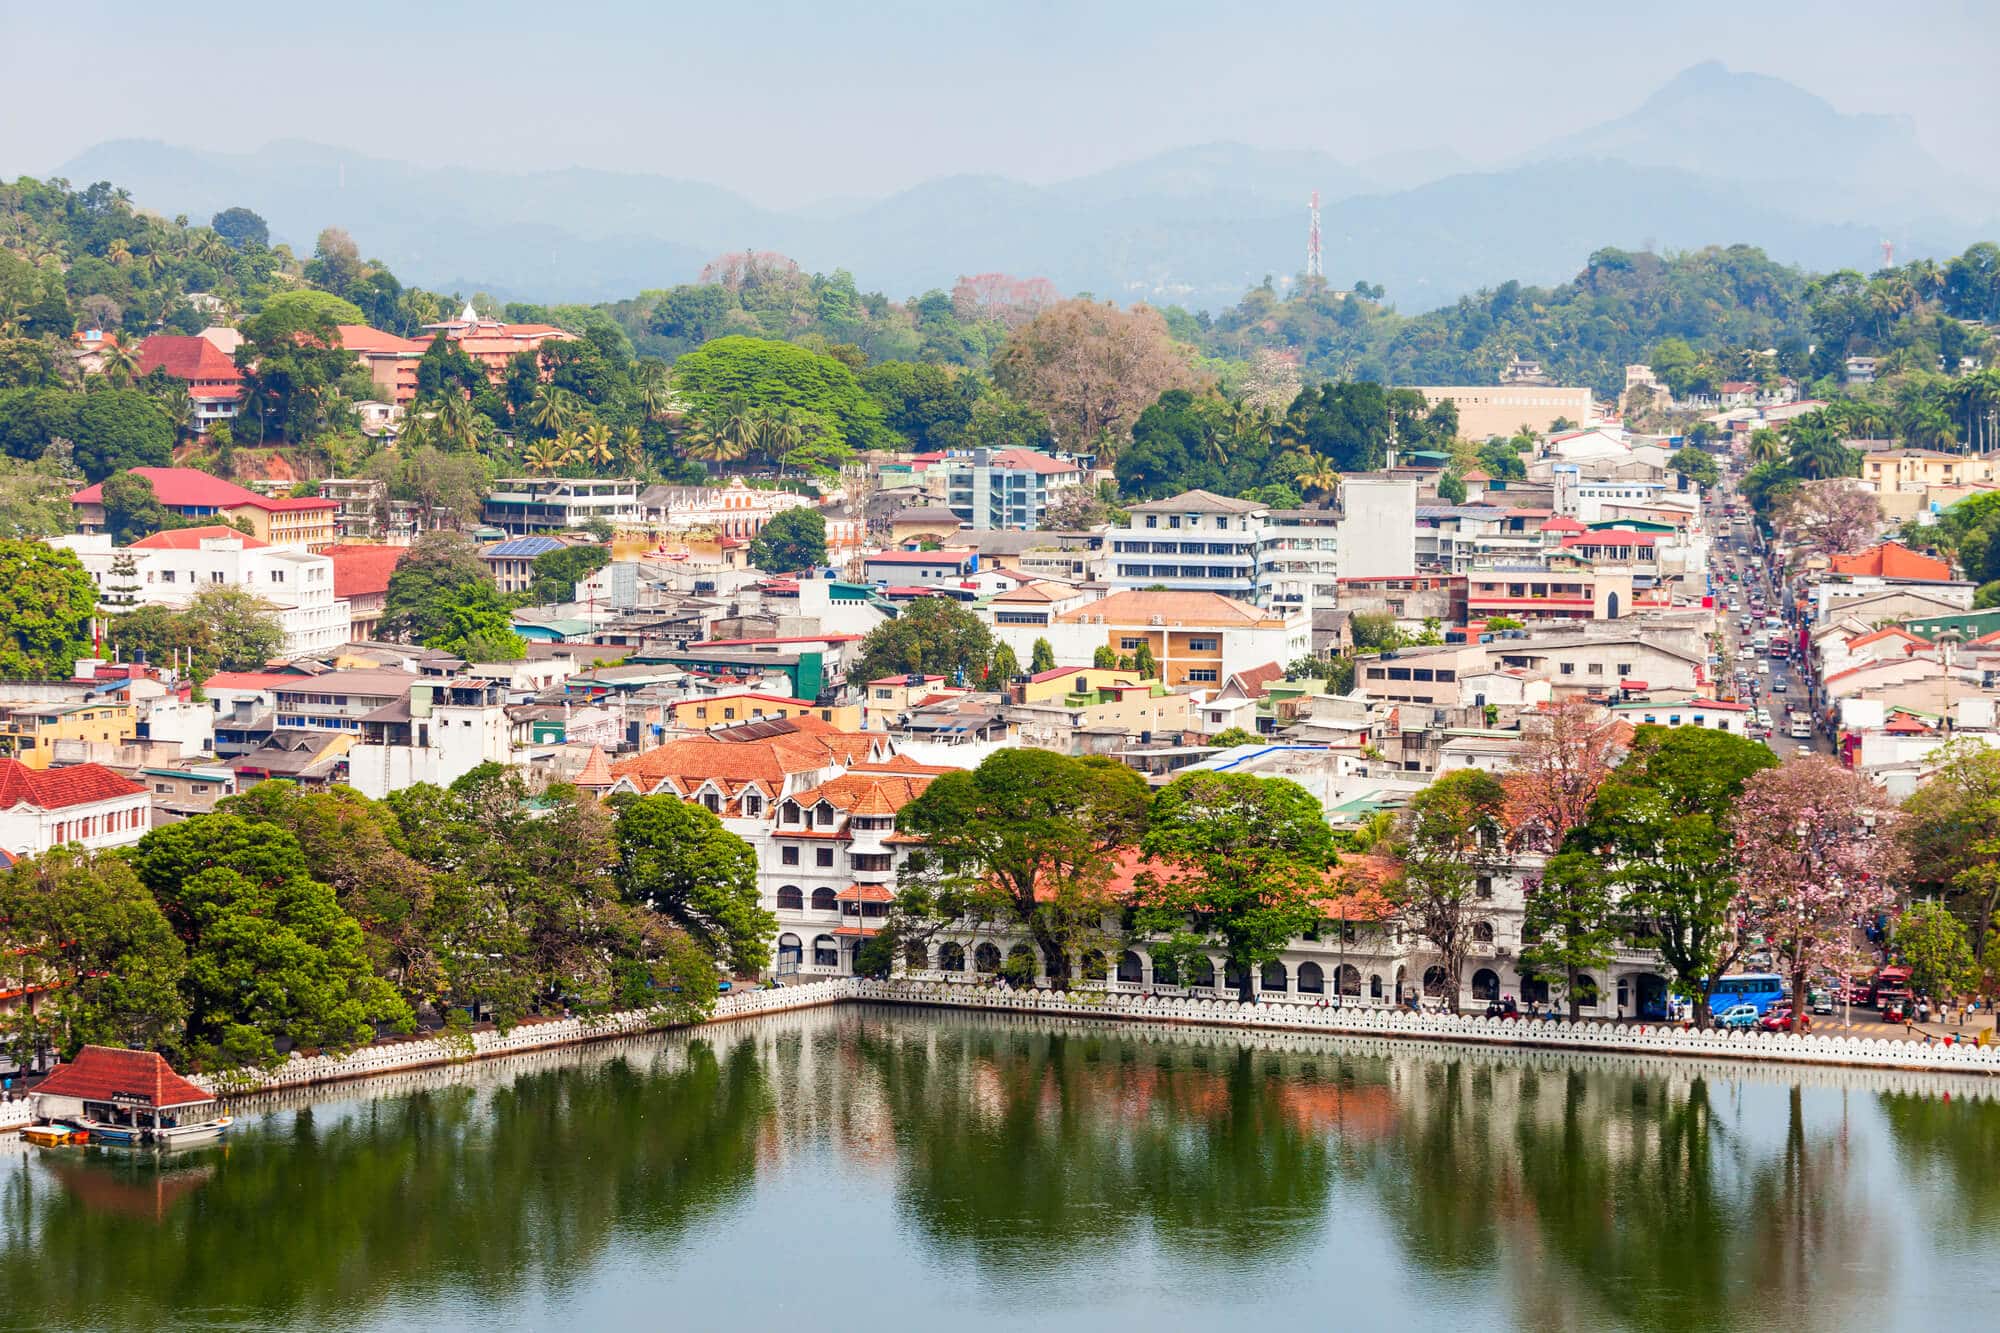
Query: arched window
{"points": [[1094, 966], [986, 958], [1166, 972], [1485, 984], [1375, 985], [917, 955], [1232, 976], [951, 958], [1201, 971], [826, 953], [790, 899], [1534, 990], [1482, 932], [1312, 981], [1131, 967], [1022, 965], [823, 901], [1436, 982], [1275, 977], [1348, 979], [1586, 989], [791, 952]]}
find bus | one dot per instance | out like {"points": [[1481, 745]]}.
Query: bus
{"points": [[1888, 986], [1762, 989], [1781, 648], [1800, 726]]}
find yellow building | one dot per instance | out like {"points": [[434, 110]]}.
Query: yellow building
{"points": [[30, 732], [1063, 682], [303, 525], [724, 709]]}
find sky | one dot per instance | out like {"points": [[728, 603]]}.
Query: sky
{"points": [[793, 101]]}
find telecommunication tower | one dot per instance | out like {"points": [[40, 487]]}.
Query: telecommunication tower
{"points": [[1888, 254], [1315, 272]]}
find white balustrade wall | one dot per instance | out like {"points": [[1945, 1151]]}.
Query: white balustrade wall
{"points": [[1377, 1021]]}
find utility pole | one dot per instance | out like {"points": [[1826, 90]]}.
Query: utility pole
{"points": [[1315, 270]]}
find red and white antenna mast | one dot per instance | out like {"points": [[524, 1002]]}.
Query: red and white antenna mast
{"points": [[1315, 271]]}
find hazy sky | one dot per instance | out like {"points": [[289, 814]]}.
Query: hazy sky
{"points": [[792, 100]]}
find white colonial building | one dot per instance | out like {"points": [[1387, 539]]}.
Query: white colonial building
{"points": [[86, 804], [169, 568]]}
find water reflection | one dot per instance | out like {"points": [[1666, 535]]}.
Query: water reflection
{"points": [[1537, 1191]]}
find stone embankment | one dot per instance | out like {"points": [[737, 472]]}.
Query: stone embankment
{"points": [[417, 1053]]}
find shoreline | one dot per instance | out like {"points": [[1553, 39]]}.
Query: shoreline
{"points": [[416, 1054]]}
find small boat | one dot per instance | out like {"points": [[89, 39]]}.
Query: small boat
{"points": [[55, 1136], [175, 1135]]}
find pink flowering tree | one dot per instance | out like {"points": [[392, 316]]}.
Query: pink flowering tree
{"points": [[1815, 859]]}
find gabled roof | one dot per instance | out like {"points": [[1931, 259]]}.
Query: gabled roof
{"points": [[186, 357], [1197, 502], [1256, 682], [179, 487], [59, 788], [1910, 640], [190, 539], [1892, 560], [863, 793], [360, 338], [101, 1072]]}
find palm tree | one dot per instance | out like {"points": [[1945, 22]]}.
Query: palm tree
{"points": [[709, 446], [785, 430], [568, 444], [120, 358], [552, 410], [632, 448], [119, 252], [544, 457], [1926, 424], [654, 388], [457, 422], [741, 427], [1765, 446], [596, 447], [180, 409], [1318, 476]]}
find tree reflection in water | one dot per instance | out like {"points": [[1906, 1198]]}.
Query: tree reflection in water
{"points": [[1561, 1194]]}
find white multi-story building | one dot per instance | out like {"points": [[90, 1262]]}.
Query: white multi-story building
{"points": [[86, 804], [169, 568], [1007, 488], [437, 733]]}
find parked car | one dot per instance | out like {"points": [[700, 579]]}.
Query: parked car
{"points": [[1737, 1016], [1777, 1019], [1821, 1001]]}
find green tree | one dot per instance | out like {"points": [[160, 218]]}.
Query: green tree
{"points": [[934, 636], [1661, 821], [1144, 662], [675, 858], [293, 358], [1029, 841], [233, 628], [1695, 465], [120, 428], [1104, 659], [1950, 834], [46, 602], [83, 925], [33, 418], [475, 624], [1043, 657], [768, 375], [1569, 925], [1005, 666], [1232, 736], [558, 572], [928, 405], [1237, 863], [132, 508], [242, 228], [424, 582], [270, 954], [794, 539], [1449, 842], [1932, 941]]}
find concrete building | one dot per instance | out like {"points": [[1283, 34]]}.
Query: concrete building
{"points": [[522, 505], [86, 804], [436, 732], [214, 384], [1007, 488], [169, 568], [1485, 411], [1195, 638], [301, 524]]}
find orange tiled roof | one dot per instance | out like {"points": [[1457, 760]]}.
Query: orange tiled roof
{"points": [[865, 793], [1892, 560], [58, 788], [1176, 609]]}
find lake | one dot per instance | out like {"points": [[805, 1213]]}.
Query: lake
{"points": [[869, 1168]]}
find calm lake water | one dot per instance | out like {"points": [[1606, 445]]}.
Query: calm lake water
{"points": [[876, 1169]]}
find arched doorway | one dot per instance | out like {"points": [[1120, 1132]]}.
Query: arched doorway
{"points": [[1347, 981], [1201, 971], [1611, 606], [1402, 982], [823, 900], [951, 958], [1275, 976], [1650, 993], [986, 959], [1374, 985], [1586, 990], [1437, 982], [917, 956], [1486, 984], [1131, 968], [791, 952], [1022, 967], [1534, 990], [826, 953], [1232, 977], [1094, 966], [1312, 981]]}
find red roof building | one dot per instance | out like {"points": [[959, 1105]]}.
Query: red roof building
{"points": [[298, 523], [81, 803], [215, 385], [114, 1077], [190, 539]]}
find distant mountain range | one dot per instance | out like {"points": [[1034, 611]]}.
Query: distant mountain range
{"points": [[1713, 157]]}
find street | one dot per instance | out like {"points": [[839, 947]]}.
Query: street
{"points": [[1742, 605]]}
